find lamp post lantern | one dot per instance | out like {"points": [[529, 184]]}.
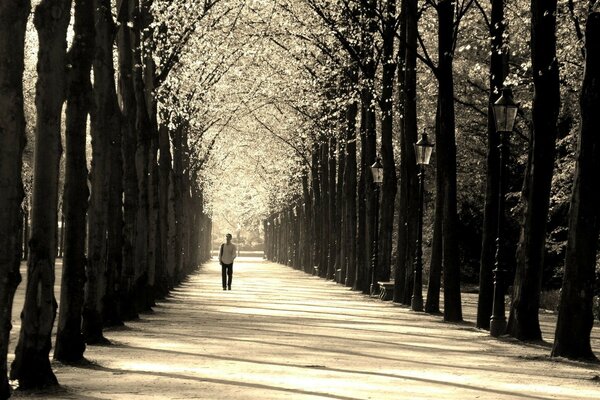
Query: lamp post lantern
{"points": [[423, 151], [377, 172], [505, 113]]}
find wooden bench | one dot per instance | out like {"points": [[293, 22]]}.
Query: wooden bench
{"points": [[386, 290]]}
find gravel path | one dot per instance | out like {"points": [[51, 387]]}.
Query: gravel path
{"points": [[281, 334]]}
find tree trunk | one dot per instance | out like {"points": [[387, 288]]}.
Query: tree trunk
{"points": [[178, 201], [350, 192], [104, 123], [307, 244], [165, 190], [155, 266], [341, 244], [446, 156], [432, 304], [334, 222], [112, 315], [498, 71], [409, 189], [317, 208], [13, 21], [368, 147], [576, 315], [523, 322], [31, 366], [390, 181], [112, 307], [70, 344], [142, 153], [324, 265], [128, 147]]}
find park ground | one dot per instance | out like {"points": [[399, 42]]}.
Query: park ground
{"points": [[282, 334]]}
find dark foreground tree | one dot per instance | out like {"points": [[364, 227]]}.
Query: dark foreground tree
{"points": [[103, 123], [69, 340], [576, 316], [446, 157], [13, 20], [31, 366], [523, 322], [498, 64]]}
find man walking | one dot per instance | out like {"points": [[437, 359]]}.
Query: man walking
{"points": [[226, 256]]}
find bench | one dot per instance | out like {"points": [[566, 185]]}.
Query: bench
{"points": [[386, 290]]}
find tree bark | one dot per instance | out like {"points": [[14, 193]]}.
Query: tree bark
{"points": [[31, 366], [13, 22], [432, 304], [308, 222], [128, 146], [142, 153], [407, 225], [176, 138], [155, 266], [112, 306], [390, 181], [576, 315], [104, 122], [165, 191], [497, 74], [523, 322], [334, 222], [350, 191], [324, 265], [317, 208], [368, 133], [446, 156], [70, 344]]}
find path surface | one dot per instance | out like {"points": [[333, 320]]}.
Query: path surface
{"points": [[281, 334]]}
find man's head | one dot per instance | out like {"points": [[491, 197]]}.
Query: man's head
{"points": [[228, 237]]}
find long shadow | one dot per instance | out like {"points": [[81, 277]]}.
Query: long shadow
{"points": [[290, 320], [57, 392], [333, 351], [222, 382], [397, 318], [324, 368], [260, 306]]}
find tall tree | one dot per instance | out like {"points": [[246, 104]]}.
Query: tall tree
{"points": [[350, 222], [142, 161], [70, 344], [576, 316], [368, 141], [390, 181], [408, 196], [446, 157], [104, 123], [523, 322], [31, 366], [497, 74], [128, 146], [13, 22]]}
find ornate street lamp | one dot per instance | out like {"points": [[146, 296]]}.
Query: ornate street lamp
{"points": [[377, 172], [423, 151], [505, 113]]}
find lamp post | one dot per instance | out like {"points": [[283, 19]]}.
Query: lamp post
{"points": [[377, 172], [423, 151], [505, 113]]}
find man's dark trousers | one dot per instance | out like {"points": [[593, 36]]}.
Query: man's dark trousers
{"points": [[227, 275]]}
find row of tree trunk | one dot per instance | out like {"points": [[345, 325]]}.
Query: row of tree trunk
{"points": [[139, 230], [302, 234]]}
